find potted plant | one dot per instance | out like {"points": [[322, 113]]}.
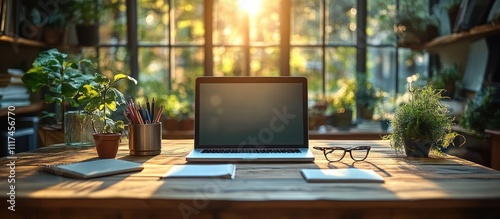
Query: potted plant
{"points": [[422, 124], [60, 79], [171, 108], [102, 98], [413, 26], [481, 113], [445, 78], [317, 113], [342, 103], [367, 97], [87, 13]]}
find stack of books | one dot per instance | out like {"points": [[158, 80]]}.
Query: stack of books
{"points": [[13, 92]]}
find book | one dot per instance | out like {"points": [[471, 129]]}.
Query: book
{"points": [[93, 168], [348, 175], [222, 171], [460, 16], [476, 14]]}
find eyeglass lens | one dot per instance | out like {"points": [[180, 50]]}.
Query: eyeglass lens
{"points": [[357, 153]]}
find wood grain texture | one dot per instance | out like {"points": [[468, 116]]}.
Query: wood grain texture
{"points": [[433, 187]]}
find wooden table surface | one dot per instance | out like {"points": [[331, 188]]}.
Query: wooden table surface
{"points": [[433, 187]]}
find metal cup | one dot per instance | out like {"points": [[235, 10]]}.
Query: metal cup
{"points": [[144, 139]]}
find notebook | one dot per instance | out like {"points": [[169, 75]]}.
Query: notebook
{"points": [[222, 171], [93, 168], [349, 175], [251, 119]]}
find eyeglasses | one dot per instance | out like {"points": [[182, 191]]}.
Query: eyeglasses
{"points": [[333, 153]]}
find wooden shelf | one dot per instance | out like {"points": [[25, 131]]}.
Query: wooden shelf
{"points": [[470, 35], [474, 33], [34, 107], [22, 41]]}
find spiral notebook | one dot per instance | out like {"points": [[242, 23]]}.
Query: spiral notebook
{"points": [[93, 168]]}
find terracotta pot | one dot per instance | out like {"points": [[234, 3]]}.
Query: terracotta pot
{"points": [[187, 124], [343, 120], [417, 148], [107, 145], [365, 112], [170, 124]]}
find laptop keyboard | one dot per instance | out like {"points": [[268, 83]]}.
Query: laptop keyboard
{"points": [[276, 151]]}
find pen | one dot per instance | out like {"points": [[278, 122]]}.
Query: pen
{"points": [[148, 107], [153, 108]]}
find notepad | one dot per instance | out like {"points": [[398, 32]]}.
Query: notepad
{"points": [[341, 175], [222, 171], [93, 168]]}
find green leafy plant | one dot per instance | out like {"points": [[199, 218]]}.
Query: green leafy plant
{"points": [[61, 78], [422, 119], [444, 76], [86, 11], [366, 94], [344, 98], [482, 113], [102, 99]]}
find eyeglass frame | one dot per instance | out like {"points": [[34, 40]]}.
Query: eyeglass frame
{"points": [[333, 148]]}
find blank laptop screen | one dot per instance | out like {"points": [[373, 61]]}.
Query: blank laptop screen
{"points": [[251, 114]]}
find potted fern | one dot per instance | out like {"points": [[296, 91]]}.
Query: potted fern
{"points": [[422, 124], [102, 98]]}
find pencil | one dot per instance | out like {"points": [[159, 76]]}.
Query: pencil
{"points": [[158, 115]]}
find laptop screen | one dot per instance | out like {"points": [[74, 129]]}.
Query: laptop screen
{"points": [[251, 112]]}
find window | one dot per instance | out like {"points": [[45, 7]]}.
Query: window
{"points": [[170, 42]]}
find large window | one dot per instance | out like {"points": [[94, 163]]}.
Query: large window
{"points": [[167, 43]]}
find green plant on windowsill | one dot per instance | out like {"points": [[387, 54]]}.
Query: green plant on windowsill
{"points": [[343, 102], [422, 124], [367, 96]]}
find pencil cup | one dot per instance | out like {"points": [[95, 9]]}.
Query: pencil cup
{"points": [[144, 139]]}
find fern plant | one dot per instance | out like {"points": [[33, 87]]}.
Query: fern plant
{"points": [[422, 119]]}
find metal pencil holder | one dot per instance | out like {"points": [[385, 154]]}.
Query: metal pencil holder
{"points": [[144, 139]]}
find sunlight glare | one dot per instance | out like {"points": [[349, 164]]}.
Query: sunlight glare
{"points": [[251, 6]]}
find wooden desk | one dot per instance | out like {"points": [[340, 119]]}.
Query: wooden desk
{"points": [[439, 187], [495, 148]]}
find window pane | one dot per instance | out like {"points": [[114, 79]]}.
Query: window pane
{"points": [[340, 63], [228, 61], [381, 65], [228, 23], [308, 62], [265, 61], [153, 74], [89, 53], [341, 22], [379, 28], [264, 19], [188, 64], [305, 22], [152, 21], [113, 24], [114, 60], [188, 21], [411, 63]]}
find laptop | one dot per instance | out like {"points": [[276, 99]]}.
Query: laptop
{"points": [[251, 119]]}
